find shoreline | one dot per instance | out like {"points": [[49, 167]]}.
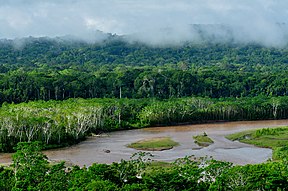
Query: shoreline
{"points": [[91, 150]]}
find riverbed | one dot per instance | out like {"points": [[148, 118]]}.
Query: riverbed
{"points": [[111, 147]]}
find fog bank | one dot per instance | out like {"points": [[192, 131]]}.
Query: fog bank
{"points": [[149, 21]]}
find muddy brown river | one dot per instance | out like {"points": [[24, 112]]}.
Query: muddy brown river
{"points": [[93, 149]]}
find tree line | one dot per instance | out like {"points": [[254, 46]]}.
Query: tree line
{"points": [[58, 123], [45, 69]]}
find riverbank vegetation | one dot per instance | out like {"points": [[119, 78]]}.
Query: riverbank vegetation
{"points": [[59, 91], [31, 171], [203, 140], [274, 138], [58, 123], [154, 144]]}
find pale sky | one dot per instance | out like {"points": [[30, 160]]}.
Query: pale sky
{"points": [[254, 20]]}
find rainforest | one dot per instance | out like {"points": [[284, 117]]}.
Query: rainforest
{"points": [[56, 92]]}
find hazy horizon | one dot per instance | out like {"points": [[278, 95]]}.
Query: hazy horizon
{"points": [[150, 21]]}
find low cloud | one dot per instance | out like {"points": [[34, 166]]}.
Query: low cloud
{"points": [[150, 21]]}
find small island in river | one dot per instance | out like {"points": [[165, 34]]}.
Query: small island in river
{"points": [[154, 144]]}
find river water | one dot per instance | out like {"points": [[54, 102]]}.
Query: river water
{"points": [[94, 148]]}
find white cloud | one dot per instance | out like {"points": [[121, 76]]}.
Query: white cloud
{"points": [[102, 24], [251, 20]]}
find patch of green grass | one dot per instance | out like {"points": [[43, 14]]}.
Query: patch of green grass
{"points": [[154, 144], [267, 137], [274, 138], [203, 140], [239, 136]]}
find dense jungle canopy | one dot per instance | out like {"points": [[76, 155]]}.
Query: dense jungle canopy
{"points": [[58, 69]]}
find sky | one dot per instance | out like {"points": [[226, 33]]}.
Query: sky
{"points": [[153, 21]]}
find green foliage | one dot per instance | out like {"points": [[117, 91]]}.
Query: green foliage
{"points": [[187, 173], [6, 179], [280, 153], [100, 185], [129, 172], [240, 135], [55, 178], [275, 138], [62, 123], [165, 179], [249, 82], [45, 69], [31, 170], [266, 137], [29, 165], [268, 176], [270, 131], [203, 140]]}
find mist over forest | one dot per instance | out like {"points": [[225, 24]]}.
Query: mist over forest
{"points": [[162, 22], [71, 69]]}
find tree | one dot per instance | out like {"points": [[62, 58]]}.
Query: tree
{"points": [[29, 165]]}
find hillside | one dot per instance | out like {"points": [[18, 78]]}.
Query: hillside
{"points": [[61, 68]]}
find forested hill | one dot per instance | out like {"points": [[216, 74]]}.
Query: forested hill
{"points": [[59, 68]]}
